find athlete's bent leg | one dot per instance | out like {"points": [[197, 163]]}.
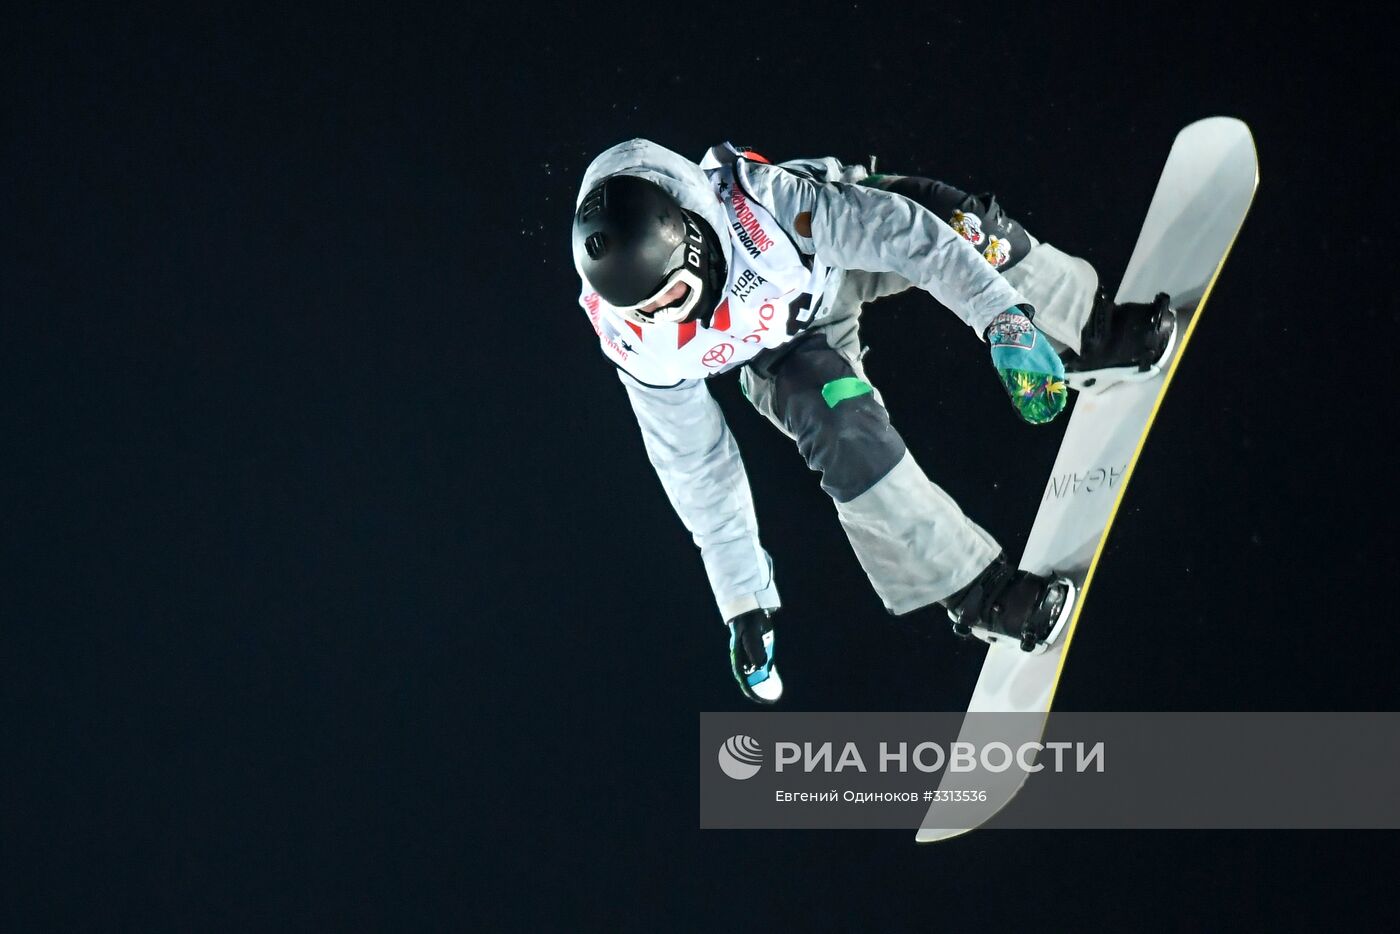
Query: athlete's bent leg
{"points": [[915, 544], [1061, 287]]}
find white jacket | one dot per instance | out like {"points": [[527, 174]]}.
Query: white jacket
{"points": [[852, 227]]}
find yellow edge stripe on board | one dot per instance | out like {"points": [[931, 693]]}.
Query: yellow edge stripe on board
{"points": [[1113, 514], [1142, 440]]}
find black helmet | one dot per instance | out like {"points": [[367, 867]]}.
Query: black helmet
{"points": [[632, 242]]}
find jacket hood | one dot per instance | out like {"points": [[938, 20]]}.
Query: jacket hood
{"points": [[677, 175]]}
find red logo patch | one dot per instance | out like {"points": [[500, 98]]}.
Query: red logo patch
{"points": [[718, 355]]}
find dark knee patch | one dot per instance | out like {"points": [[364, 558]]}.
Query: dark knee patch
{"points": [[977, 218], [840, 428]]}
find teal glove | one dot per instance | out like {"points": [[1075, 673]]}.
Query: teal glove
{"points": [[1028, 366]]}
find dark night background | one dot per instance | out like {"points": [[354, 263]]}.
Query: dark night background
{"points": [[338, 594]]}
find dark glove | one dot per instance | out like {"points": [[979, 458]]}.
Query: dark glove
{"points": [[1029, 367], [751, 642]]}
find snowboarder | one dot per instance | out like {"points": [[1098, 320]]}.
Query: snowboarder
{"points": [[693, 270]]}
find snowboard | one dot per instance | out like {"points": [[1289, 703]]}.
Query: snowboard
{"points": [[1200, 203]]}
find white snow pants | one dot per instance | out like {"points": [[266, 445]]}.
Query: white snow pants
{"points": [[912, 540]]}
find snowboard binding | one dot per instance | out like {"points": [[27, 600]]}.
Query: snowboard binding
{"points": [[1005, 605], [1121, 343]]}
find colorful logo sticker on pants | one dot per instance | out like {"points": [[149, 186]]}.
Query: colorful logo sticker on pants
{"points": [[969, 227], [998, 252]]}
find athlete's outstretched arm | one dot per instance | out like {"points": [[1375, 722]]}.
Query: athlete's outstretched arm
{"points": [[698, 462], [855, 227]]}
